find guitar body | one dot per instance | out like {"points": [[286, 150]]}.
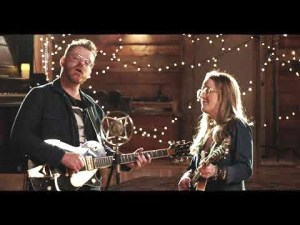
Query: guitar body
{"points": [[47, 178], [200, 185], [62, 180]]}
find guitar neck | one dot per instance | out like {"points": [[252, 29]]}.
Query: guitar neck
{"points": [[131, 157], [196, 176]]}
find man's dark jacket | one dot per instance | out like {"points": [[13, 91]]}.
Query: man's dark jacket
{"points": [[46, 113]]}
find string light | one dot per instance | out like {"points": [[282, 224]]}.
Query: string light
{"points": [[113, 56]]}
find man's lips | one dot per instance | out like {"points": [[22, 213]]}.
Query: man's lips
{"points": [[79, 70]]}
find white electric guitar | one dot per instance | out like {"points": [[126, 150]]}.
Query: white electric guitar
{"points": [[47, 178]]}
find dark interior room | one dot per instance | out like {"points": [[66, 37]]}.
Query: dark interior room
{"points": [[147, 86]]}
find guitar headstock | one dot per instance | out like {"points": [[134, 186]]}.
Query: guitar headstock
{"points": [[179, 149]]}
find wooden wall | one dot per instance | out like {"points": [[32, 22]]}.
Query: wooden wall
{"points": [[178, 83], [281, 97], [226, 53], [149, 78], [137, 51]]}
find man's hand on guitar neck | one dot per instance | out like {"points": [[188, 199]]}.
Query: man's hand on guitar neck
{"points": [[141, 160], [73, 161]]}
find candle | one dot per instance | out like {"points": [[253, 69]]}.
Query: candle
{"points": [[25, 70]]}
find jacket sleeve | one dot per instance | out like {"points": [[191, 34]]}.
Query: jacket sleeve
{"points": [[241, 167], [26, 131]]}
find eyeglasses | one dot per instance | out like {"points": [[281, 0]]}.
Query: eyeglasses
{"points": [[206, 90], [78, 58]]}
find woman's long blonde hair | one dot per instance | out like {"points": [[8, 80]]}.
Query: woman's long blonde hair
{"points": [[230, 107]]}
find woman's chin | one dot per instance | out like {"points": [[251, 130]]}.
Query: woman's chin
{"points": [[204, 109]]}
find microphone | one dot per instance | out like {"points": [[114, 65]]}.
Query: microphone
{"points": [[116, 128]]}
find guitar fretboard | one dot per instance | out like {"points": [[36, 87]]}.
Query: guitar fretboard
{"points": [[128, 158]]}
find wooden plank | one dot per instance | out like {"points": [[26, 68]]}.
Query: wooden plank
{"points": [[116, 67], [145, 50], [113, 39], [289, 42], [292, 123], [134, 78], [153, 60], [173, 39], [133, 63], [152, 48], [288, 137], [158, 121], [98, 39], [290, 77], [287, 110], [288, 99], [289, 87], [141, 90], [172, 106]]}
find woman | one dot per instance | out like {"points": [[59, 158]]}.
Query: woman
{"points": [[222, 149]]}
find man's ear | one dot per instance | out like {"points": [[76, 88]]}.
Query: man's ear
{"points": [[62, 60]]}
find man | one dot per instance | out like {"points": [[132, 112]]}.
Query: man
{"points": [[60, 110]]}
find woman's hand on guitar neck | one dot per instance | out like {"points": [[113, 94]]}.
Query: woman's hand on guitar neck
{"points": [[208, 171], [73, 161]]}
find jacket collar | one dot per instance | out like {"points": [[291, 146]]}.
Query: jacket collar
{"points": [[58, 88]]}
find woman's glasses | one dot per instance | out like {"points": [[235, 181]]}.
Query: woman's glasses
{"points": [[206, 90]]}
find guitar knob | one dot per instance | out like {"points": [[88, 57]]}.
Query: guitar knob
{"points": [[93, 180], [49, 188]]}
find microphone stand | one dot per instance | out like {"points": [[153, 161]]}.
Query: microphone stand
{"points": [[114, 167], [118, 128]]}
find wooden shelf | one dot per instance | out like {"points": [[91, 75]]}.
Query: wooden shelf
{"points": [[154, 107], [11, 99]]}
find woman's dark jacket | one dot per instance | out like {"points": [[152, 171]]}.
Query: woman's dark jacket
{"points": [[238, 162]]}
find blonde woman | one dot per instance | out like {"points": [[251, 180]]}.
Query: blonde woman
{"points": [[222, 148]]}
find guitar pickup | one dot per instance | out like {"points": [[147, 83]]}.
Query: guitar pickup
{"points": [[89, 163]]}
